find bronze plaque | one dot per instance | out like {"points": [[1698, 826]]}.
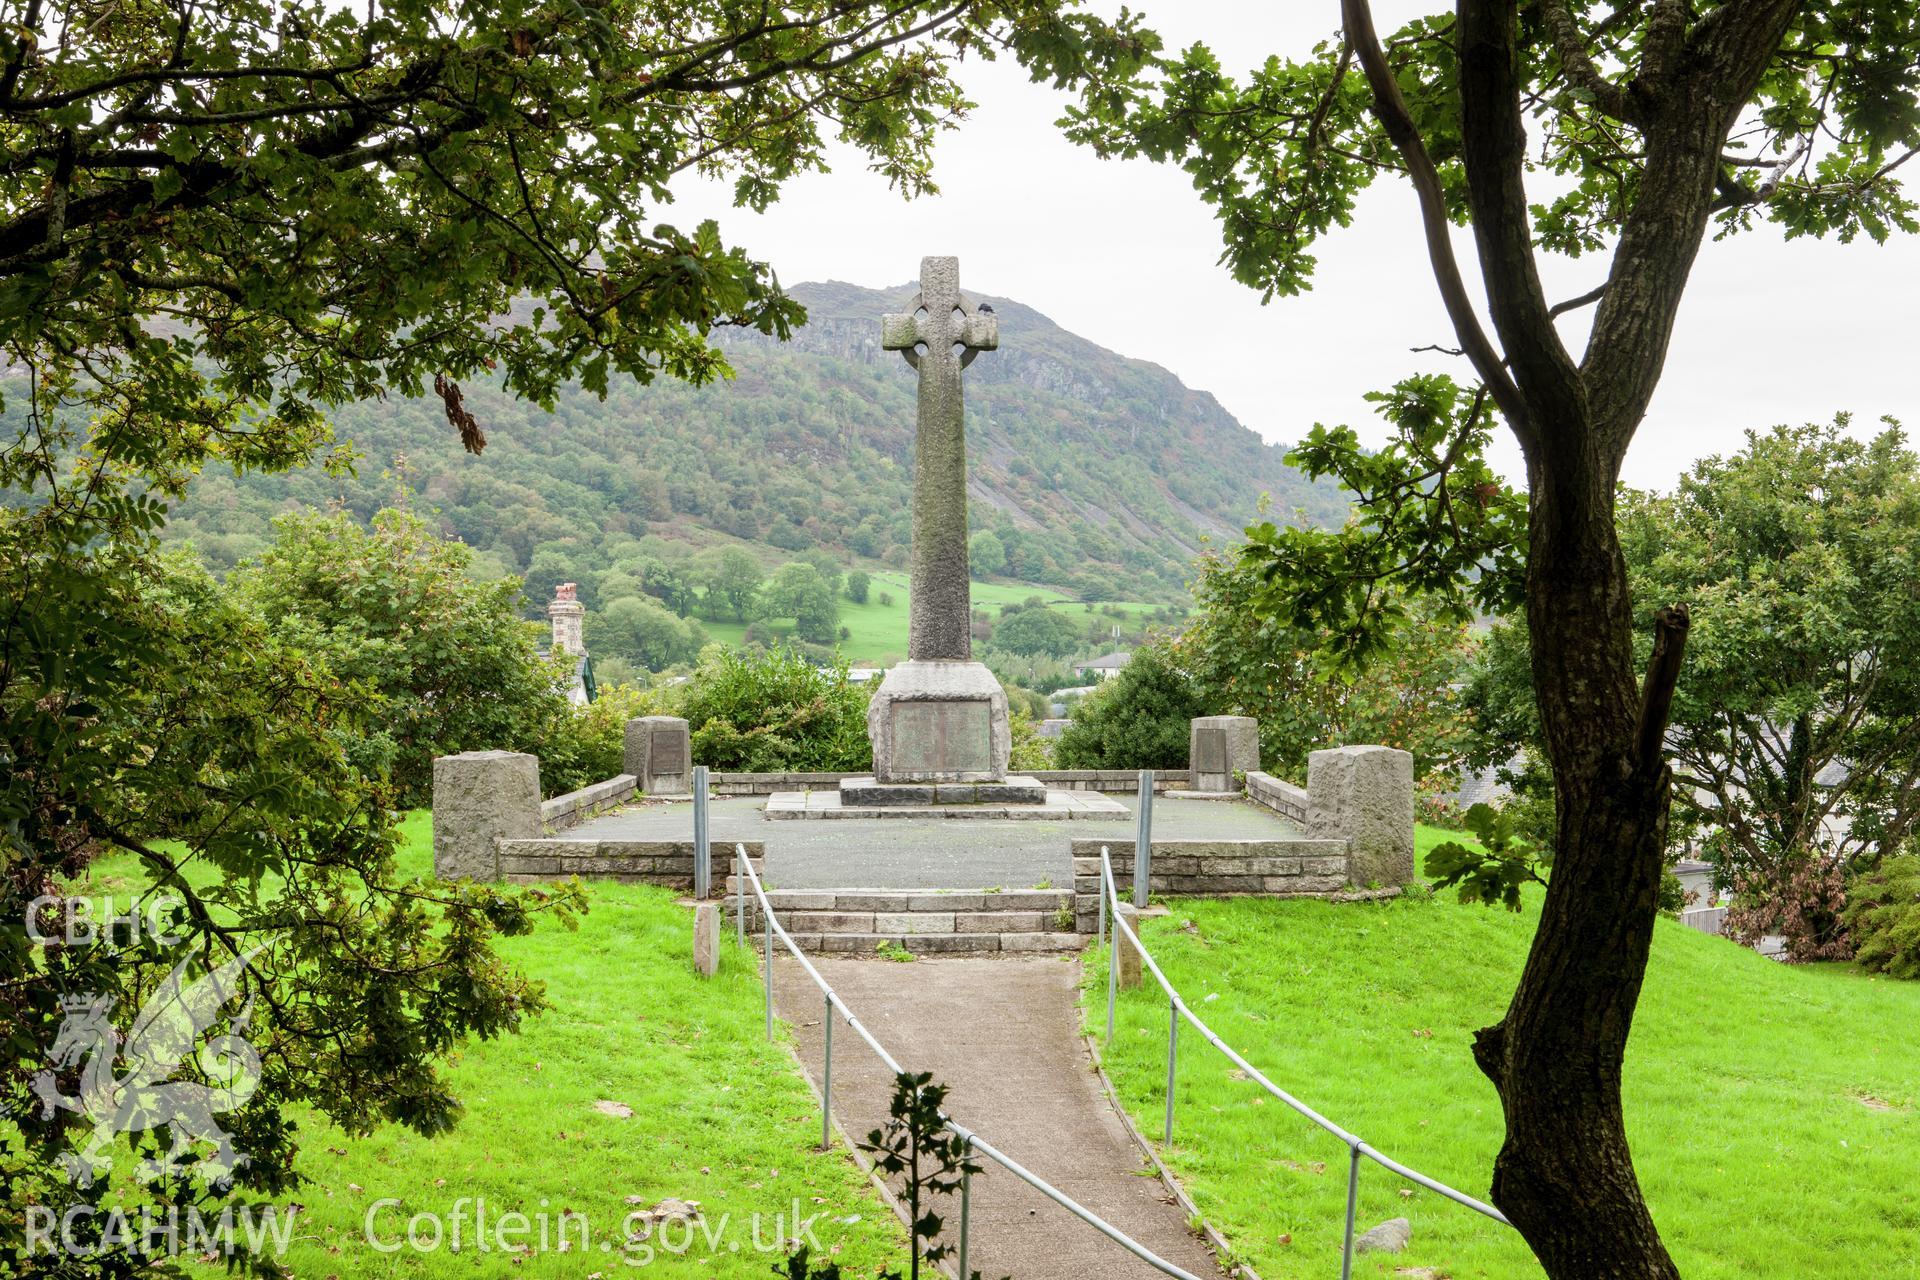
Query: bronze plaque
{"points": [[669, 752], [1210, 750], [942, 738]]}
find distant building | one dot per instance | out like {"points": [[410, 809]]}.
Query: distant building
{"points": [[569, 617], [1107, 664]]}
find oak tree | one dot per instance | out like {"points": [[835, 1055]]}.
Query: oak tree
{"points": [[1623, 134]]}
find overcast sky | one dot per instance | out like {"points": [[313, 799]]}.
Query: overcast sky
{"points": [[1124, 253]]}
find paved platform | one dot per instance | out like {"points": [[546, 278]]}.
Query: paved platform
{"points": [[930, 853], [1059, 806], [1003, 1036]]}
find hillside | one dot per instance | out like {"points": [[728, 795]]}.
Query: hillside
{"points": [[1100, 473]]}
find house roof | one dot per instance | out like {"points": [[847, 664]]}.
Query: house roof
{"points": [[1105, 662]]}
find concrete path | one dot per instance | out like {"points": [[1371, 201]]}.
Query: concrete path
{"points": [[901, 853], [1003, 1035]]}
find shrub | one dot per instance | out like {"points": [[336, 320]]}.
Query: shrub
{"points": [[776, 712], [587, 744], [1030, 750], [1802, 903], [1139, 719], [392, 607], [1884, 917], [857, 584]]}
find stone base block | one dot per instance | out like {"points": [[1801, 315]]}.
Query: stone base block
{"points": [[659, 754], [857, 793], [1057, 805], [1219, 747], [1364, 794], [939, 721], [480, 797]]}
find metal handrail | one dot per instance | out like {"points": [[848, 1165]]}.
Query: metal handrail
{"points": [[746, 876], [1357, 1147]]}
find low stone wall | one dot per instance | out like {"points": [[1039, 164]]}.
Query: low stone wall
{"points": [[1278, 795], [1212, 868], [765, 784], [1112, 781], [575, 807], [662, 862]]}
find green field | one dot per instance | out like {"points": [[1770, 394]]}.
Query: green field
{"points": [[719, 1116], [879, 632], [1771, 1107]]}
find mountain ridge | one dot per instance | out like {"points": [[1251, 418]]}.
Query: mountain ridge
{"points": [[1102, 474]]}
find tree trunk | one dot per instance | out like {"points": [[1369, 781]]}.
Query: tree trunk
{"points": [[1555, 1058]]}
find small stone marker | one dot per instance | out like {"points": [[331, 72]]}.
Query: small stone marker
{"points": [[1125, 954], [1364, 795], [1390, 1236], [1220, 746], [706, 939], [659, 755]]}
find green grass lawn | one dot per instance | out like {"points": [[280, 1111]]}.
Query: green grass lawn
{"points": [[879, 632], [719, 1116], [1771, 1107]]}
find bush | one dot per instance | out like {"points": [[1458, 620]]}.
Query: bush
{"points": [[393, 608], [1802, 902], [588, 743], [857, 584], [775, 712], [1139, 719], [1030, 750], [1884, 917]]}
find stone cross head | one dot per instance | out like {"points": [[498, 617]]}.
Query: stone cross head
{"points": [[941, 318]]}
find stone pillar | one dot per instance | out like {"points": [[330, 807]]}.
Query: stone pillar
{"points": [[480, 797], [659, 753], [1364, 795], [706, 939], [1125, 954], [1220, 746]]}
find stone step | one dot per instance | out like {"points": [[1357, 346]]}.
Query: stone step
{"points": [[910, 900], [928, 944], [856, 921]]}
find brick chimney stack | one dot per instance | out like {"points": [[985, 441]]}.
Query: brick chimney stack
{"points": [[568, 615]]}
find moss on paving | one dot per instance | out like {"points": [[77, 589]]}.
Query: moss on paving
{"points": [[1772, 1108]]}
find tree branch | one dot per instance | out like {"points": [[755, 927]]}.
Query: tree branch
{"points": [[1591, 296], [1670, 626], [1390, 108], [1581, 73], [1493, 145]]}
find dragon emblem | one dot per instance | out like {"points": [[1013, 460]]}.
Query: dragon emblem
{"points": [[144, 1098]]}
